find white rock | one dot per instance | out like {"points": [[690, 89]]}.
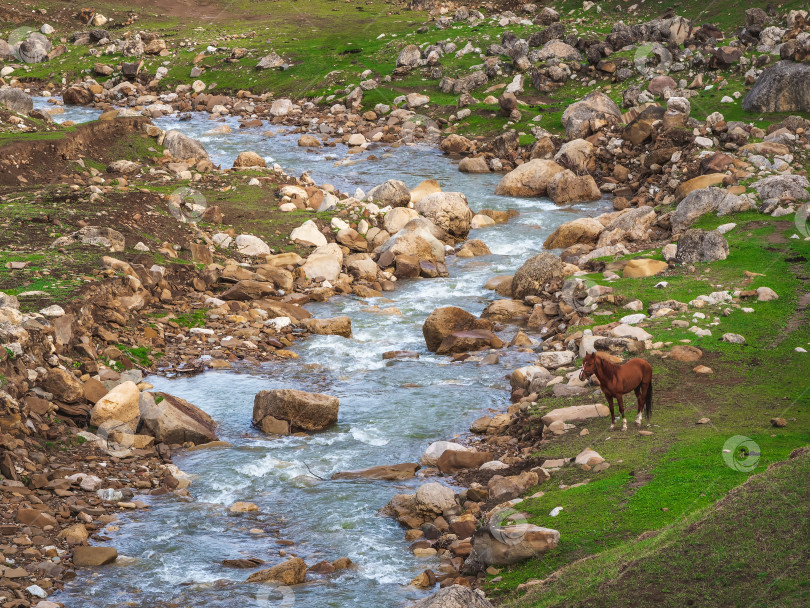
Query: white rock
{"points": [[633, 319], [723, 228], [54, 310], [493, 465], [629, 331], [437, 448], [250, 245], [308, 233]]}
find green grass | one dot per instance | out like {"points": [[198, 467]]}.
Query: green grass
{"points": [[665, 481], [142, 355], [749, 551]]}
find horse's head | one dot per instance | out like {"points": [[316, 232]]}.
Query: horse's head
{"points": [[588, 366]]}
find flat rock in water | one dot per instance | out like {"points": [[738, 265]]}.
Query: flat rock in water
{"points": [[94, 556], [393, 472]]}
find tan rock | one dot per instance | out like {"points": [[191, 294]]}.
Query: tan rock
{"points": [[291, 572], [118, 407], [642, 267]]}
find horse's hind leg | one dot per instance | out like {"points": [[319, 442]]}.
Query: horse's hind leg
{"points": [[641, 394], [620, 399]]}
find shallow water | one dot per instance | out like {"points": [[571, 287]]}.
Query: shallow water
{"points": [[390, 411]]}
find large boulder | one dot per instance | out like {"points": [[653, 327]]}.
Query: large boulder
{"points": [[174, 420], [291, 572], [506, 488], [183, 147], [386, 472], [576, 412], [778, 186], [308, 234], [448, 210], [118, 408], [467, 340], [63, 385], [531, 278], [304, 411], [584, 230], [416, 238], [250, 245], [334, 326], [16, 100], [698, 183], [409, 57], [433, 497], [529, 179], [456, 144], [568, 187], [577, 155], [453, 461], [629, 225], [700, 202], [396, 219], [587, 116], [783, 87], [503, 546], [393, 192], [444, 321], [249, 160], [701, 246], [431, 455], [557, 49], [455, 596], [77, 95]]}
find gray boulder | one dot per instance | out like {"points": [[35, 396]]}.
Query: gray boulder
{"points": [[174, 420], [531, 278], [305, 411], [393, 192], [503, 546], [16, 100], [183, 147], [783, 87], [701, 246], [778, 186], [448, 210], [587, 116], [706, 200]]}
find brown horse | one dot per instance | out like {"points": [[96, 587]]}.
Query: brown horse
{"points": [[617, 380]]}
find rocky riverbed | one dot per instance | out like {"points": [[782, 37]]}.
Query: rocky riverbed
{"points": [[320, 351]]}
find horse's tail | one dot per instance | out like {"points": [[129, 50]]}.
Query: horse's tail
{"points": [[648, 403]]}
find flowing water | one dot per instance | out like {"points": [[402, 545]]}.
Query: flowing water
{"points": [[390, 411]]}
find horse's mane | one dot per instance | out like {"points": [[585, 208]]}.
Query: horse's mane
{"points": [[608, 368]]}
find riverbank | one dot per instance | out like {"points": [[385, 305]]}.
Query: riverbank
{"points": [[134, 244]]}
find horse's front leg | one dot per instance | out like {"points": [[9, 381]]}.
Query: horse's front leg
{"points": [[620, 399], [613, 420]]}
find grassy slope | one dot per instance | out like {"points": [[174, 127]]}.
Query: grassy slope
{"points": [[657, 481], [324, 64], [748, 550]]}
